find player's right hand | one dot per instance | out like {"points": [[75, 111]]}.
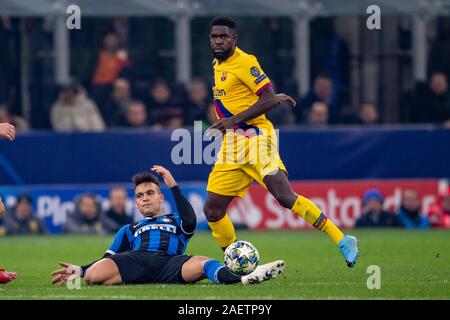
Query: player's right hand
{"points": [[70, 272], [282, 97], [165, 174], [7, 131]]}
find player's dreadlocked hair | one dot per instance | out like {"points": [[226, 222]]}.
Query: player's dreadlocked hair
{"points": [[143, 177], [223, 21]]}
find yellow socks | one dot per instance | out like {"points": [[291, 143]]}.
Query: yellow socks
{"points": [[223, 231], [312, 214]]}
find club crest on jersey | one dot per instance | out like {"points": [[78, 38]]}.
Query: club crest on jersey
{"points": [[224, 76], [255, 71]]}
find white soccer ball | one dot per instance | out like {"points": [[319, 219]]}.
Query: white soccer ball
{"points": [[241, 257]]}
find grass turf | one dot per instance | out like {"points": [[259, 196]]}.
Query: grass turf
{"points": [[413, 264]]}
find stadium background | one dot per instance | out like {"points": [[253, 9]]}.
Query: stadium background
{"points": [[333, 163]]}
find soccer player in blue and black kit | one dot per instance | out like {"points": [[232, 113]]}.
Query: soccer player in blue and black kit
{"points": [[152, 250]]}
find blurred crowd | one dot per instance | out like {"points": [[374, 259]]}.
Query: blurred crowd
{"points": [[115, 96], [89, 217], [408, 215]]}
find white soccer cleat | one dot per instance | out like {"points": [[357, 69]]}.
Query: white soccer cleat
{"points": [[264, 272]]}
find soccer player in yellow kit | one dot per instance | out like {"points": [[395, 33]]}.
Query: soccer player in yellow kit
{"points": [[242, 95]]}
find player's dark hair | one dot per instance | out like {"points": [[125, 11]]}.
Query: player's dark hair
{"points": [[143, 177], [223, 21]]}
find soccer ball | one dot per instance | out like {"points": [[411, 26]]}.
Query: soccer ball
{"points": [[241, 257]]}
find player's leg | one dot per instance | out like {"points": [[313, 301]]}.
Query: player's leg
{"points": [[199, 267], [222, 228], [268, 169], [192, 270], [278, 185], [104, 271], [224, 183]]}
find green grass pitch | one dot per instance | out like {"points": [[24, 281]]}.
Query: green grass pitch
{"points": [[413, 264]]}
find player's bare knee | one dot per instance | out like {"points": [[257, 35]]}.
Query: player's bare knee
{"points": [[88, 279], [286, 200], [201, 260], [213, 213], [91, 276]]}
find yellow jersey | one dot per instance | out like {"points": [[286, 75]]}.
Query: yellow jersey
{"points": [[237, 82]]}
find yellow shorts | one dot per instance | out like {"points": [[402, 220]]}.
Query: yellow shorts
{"points": [[252, 158]]}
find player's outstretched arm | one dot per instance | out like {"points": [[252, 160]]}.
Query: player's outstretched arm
{"points": [[7, 131], [184, 207], [69, 272]]}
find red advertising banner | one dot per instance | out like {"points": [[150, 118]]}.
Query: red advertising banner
{"points": [[341, 201]]}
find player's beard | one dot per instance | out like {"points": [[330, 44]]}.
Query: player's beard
{"points": [[222, 55]]}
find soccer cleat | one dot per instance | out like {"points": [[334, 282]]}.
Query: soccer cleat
{"points": [[6, 276], [264, 272], [349, 249]]}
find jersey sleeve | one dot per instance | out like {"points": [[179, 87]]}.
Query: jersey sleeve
{"points": [[122, 241], [250, 72], [186, 213]]}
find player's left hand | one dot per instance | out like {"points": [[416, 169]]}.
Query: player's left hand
{"points": [[282, 97], [165, 174], [70, 272], [222, 125]]}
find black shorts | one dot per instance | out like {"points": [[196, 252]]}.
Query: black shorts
{"points": [[149, 267]]}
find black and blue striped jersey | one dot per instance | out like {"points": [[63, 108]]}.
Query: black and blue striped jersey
{"points": [[166, 234], [161, 234]]}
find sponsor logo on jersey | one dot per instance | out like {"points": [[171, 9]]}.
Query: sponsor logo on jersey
{"points": [[157, 226], [260, 78], [219, 93]]}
